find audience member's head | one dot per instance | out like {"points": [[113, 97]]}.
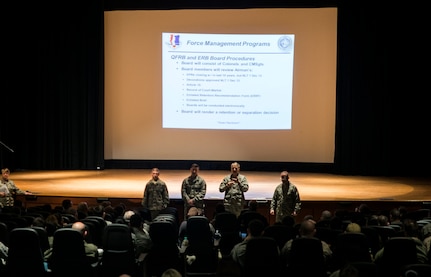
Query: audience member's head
{"points": [[135, 221], [394, 215], [255, 227], [326, 215], [411, 228], [193, 211], [353, 228], [171, 273], [252, 205], [288, 220], [349, 271], [127, 215], [38, 222], [81, 227], [307, 228], [66, 204], [383, 220]]}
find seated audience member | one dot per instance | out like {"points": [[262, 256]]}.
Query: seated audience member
{"points": [[307, 229], [38, 222], [3, 253], [411, 229], [141, 239], [193, 211], [127, 214], [91, 249], [250, 213], [51, 225], [395, 217], [219, 208], [82, 210], [426, 236], [347, 271], [255, 229], [66, 204], [288, 220]]}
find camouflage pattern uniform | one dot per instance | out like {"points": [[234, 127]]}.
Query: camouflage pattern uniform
{"points": [[11, 190], [156, 197], [234, 200], [285, 204], [194, 188]]}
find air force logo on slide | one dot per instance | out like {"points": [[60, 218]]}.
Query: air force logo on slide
{"points": [[285, 43], [174, 41]]}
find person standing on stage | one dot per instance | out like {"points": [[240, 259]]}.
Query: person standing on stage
{"points": [[193, 190], [285, 200], [234, 185], [8, 189], [156, 196]]}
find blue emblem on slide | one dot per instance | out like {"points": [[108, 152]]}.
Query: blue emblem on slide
{"points": [[285, 43], [174, 41]]}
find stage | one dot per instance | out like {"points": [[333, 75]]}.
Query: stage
{"points": [[130, 183], [317, 190]]}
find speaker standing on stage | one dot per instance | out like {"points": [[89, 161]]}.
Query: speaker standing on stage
{"points": [[8, 189], [193, 190], [156, 196], [234, 185], [286, 200]]}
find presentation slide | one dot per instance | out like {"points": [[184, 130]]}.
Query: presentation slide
{"points": [[227, 81], [255, 85]]}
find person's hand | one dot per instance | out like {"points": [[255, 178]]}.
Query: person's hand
{"points": [[3, 194]]}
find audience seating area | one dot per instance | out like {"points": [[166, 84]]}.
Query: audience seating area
{"points": [[109, 230]]}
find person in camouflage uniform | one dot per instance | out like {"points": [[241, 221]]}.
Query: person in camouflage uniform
{"points": [[193, 190], [285, 200], [156, 196], [8, 190], [234, 185]]}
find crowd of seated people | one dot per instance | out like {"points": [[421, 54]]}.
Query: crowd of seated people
{"points": [[70, 215]]}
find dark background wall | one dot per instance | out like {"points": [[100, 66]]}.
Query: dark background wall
{"points": [[52, 86]]}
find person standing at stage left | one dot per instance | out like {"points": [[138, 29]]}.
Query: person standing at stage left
{"points": [[193, 190], [8, 190], [285, 200], [234, 185], [156, 196]]}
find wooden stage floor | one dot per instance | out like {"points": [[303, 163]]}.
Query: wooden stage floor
{"points": [[130, 183]]}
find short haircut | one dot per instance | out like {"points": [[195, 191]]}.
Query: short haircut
{"points": [[256, 227]]}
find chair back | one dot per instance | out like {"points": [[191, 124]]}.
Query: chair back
{"points": [[118, 251], [397, 252], [365, 269], [227, 224], [306, 258], [95, 229], [421, 270], [68, 254], [262, 257], [351, 247], [43, 238], [199, 232], [201, 245], [281, 233], [4, 233], [25, 257], [164, 253]]}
